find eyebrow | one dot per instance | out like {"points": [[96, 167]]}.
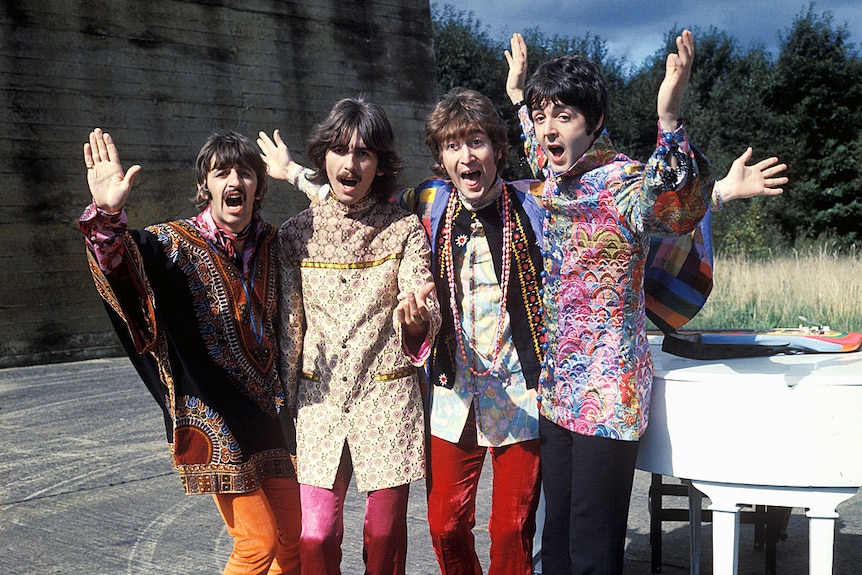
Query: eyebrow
{"points": [[347, 147]]}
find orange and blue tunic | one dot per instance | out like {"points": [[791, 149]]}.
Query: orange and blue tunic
{"points": [[197, 321]]}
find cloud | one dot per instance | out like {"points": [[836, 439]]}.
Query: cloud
{"points": [[635, 29]]}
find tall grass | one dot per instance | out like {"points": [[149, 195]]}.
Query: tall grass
{"points": [[770, 293]]}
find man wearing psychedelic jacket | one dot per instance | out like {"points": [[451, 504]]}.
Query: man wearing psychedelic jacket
{"points": [[602, 209]]}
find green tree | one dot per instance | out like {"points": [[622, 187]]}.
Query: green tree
{"points": [[466, 54], [801, 107], [727, 111], [815, 98]]}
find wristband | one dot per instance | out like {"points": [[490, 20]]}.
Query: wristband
{"points": [[717, 200]]}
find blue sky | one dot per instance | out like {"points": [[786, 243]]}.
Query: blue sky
{"points": [[635, 29]]}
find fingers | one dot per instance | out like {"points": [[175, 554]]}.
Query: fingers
{"points": [[685, 48], [95, 138], [413, 307], [517, 52], [100, 148], [131, 173], [769, 167], [426, 291], [416, 311], [110, 154], [681, 62], [88, 156], [746, 155], [264, 142]]}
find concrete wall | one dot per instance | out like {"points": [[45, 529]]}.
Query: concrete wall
{"points": [[161, 76]]}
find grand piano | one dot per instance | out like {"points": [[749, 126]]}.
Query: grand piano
{"points": [[782, 430]]}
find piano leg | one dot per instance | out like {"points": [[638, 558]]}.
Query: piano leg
{"points": [[695, 501], [727, 499], [725, 537], [821, 529]]}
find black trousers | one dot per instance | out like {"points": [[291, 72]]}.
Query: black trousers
{"points": [[588, 484]]}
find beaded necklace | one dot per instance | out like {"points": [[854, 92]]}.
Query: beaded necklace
{"points": [[450, 273]]}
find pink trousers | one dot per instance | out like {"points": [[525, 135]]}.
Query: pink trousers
{"points": [[384, 534], [452, 484], [265, 526]]}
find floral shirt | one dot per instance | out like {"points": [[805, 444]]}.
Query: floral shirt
{"points": [[600, 214], [505, 409]]}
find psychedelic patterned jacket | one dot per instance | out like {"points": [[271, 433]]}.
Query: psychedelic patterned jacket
{"points": [[200, 332], [600, 214]]}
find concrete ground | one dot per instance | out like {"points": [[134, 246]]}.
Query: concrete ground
{"points": [[86, 488]]}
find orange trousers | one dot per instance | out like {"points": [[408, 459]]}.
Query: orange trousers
{"points": [[265, 526]]}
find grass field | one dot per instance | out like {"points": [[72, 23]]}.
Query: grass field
{"points": [[762, 294]]}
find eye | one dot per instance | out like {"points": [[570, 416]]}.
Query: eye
{"points": [[477, 142], [538, 118], [452, 146], [340, 150]]}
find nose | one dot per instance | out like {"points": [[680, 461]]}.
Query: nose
{"points": [[233, 178], [466, 153], [351, 160]]}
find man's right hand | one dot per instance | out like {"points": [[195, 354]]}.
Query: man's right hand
{"points": [[109, 185]]}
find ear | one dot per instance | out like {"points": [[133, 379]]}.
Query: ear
{"points": [[598, 125]]}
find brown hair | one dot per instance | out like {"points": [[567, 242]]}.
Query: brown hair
{"points": [[369, 122], [459, 113], [229, 149]]}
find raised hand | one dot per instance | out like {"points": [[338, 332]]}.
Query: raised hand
{"points": [[744, 181], [276, 156], [517, 59], [109, 185], [676, 76]]}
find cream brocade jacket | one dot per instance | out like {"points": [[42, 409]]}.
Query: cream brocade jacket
{"points": [[347, 375]]}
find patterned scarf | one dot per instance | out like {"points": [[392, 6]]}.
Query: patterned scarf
{"points": [[223, 240]]}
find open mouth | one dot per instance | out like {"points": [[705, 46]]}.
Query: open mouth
{"points": [[556, 151], [234, 200], [474, 177], [348, 180]]}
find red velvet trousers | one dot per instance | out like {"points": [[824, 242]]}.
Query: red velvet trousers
{"points": [[452, 484]]}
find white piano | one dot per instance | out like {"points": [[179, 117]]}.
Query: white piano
{"points": [[782, 430]]}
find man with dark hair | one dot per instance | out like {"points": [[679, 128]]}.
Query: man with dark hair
{"points": [[485, 362], [194, 304], [602, 208], [359, 313]]}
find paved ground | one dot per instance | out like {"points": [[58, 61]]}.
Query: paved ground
{"points": [[86, 488]]}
